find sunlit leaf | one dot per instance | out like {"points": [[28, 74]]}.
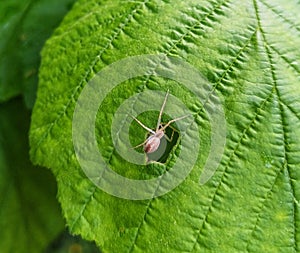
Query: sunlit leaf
{"points": [[249, 52]]}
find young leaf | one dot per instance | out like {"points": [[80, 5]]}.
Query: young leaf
{"points": [[30, 216], [248, 51]]}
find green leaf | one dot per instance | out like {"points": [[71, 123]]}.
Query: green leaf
{"points": [[24, 27], [67, 243], [30, 217], [248, 51]]}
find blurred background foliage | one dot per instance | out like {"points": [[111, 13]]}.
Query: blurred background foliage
{"points": [[30, 216]]}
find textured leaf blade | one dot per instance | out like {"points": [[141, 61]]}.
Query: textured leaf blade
{"points": [[252, 202], [25, 26]]}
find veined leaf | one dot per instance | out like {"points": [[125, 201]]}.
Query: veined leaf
{"points": [[24, 27], [248, 51], [30, 216]]}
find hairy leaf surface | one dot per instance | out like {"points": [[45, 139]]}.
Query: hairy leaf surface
{"points": [[249, 52]]}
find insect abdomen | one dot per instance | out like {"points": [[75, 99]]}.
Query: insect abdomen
{"points": [[152, 145]]}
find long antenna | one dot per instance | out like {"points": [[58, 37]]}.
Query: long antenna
{"points": [[161, 111]]}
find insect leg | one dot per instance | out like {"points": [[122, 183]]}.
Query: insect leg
{"points": [[169, 139], [161, 111], [173, 120], [141, 144], [141, 124]]}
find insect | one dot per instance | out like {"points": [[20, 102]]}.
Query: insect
{"points": [[152, 143]]}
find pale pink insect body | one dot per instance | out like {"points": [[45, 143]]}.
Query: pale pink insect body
{"points": [[152, 143]]}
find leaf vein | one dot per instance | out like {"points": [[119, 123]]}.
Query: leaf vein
{"points": [[88, 72], [197, 23], [226, 165], [261, 207], [280, 15], [293, 66], [283, 123], [286, 158]]}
